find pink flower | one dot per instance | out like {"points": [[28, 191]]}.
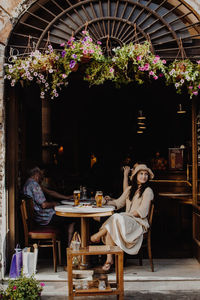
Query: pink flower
{"points": [[198, 61], [199, 87], [99, 43], [155, 77], [111, 70], [195, 93], [42, 283], [146, 67], [91, 51], [84, 32], [85, 52], [14, 287], [151, 73], [141, 68], [190, 87], [139, 57], [164, 61]]}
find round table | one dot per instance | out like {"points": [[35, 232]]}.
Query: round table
{"points": [[84, 213]]}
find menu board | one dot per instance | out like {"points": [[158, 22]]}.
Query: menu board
{"points": [[176, 158]]}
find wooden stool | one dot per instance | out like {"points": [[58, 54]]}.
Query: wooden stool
{"points": [[116, 288]]}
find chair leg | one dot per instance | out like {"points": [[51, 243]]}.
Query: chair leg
{"points": [[59, 252], [54, 255], [150, 253], [140, 256]]}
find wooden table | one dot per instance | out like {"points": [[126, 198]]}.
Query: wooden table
{"points": [[84, 214], [116, 288]]}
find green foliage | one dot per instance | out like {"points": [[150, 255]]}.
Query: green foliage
{"points": [[130, 63], [22, 288]]}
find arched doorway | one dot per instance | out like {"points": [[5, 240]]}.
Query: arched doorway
{"points": [[112, 22]]}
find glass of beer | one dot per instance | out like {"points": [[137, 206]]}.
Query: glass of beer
{"points": [[99, 198], [77, 195]]}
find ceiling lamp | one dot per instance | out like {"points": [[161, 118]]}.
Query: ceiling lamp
{"points": [[180, 109], [141, 123], [142, 127], [139, 131], [141, 116]]}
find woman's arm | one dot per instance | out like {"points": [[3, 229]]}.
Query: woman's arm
{"points": [[121, 201], [125, 180]]}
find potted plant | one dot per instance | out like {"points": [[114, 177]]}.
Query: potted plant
{"points": [[97, 73], [184, 73], [22, 288], [37, 66], [136, 61]]}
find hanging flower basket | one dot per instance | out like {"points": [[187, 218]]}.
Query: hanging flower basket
{"points": [[131, 62], [184, 74]]}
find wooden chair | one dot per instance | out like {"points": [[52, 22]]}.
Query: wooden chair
{"points": [[45, 236], [147, 238]]}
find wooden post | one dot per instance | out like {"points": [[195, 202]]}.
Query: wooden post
{"points": [[46, 130]]}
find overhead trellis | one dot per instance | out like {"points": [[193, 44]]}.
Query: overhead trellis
{"points": [[163, 22], [133, 62]]}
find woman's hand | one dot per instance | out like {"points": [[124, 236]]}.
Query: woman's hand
{"points": [[126, 170], [106, 199]]}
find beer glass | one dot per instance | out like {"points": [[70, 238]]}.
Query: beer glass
{"points": [[77, 195], [99, 198]]}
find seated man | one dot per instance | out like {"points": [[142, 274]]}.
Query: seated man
{"points": [[44, 210]]}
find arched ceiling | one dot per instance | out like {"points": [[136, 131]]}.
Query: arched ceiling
{"points": [[164, 22]]}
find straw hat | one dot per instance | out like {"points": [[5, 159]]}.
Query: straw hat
{"points": [[142, 167]]}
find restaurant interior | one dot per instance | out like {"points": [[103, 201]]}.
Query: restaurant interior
{"points": [[95, 131]]}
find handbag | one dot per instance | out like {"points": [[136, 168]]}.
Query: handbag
{"points": [[16, 263], [76, 259], [30, 260]]}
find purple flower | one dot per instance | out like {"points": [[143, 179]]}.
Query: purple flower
{"points": [[63, 53], [72, 64], [74, 56]]}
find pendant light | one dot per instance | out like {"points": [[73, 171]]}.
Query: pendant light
{"points": [[180, 109], [140, 115]]}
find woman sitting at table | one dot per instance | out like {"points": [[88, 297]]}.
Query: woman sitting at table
{"points": [[126, 229]]}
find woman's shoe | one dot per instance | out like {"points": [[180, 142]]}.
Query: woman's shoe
{"points": [[108, 267], [95, 238]]}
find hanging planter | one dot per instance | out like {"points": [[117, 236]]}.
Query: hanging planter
{"points": [[184, 74], [85, 58], [75, 68], [131, 62]]}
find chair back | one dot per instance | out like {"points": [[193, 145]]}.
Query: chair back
{"points": [[150, 214], [27, 212]]}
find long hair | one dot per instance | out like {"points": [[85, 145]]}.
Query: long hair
{"points": [[134, 186]]}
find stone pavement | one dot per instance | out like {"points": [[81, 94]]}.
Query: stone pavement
{"points": [[173, 279]]}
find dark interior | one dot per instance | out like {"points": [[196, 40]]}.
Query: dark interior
{"points": [[103, 120]]}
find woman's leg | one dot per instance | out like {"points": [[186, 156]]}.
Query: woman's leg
{"points": [[109, 241], [97, 236]]}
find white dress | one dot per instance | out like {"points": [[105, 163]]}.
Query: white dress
{"points": [[125, 229]]}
